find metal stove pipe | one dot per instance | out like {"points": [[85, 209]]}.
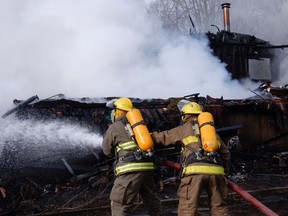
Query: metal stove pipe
{"points": [[226, 16]]}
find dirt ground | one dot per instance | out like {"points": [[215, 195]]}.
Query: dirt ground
{"points": [[28, 197]]}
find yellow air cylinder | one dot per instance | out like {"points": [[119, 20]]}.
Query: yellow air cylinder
{"points": [[208, 132], [142, 135]]}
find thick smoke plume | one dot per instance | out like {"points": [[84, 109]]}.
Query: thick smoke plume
{"points": [[101, 48]]}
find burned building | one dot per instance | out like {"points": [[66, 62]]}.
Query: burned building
{"points": [[246, 56]]}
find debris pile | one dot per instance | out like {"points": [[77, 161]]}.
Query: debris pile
{"points": [[78, 182]]}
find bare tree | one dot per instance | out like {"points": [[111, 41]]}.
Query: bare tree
{"points": [[246, 15], [175, 13]]}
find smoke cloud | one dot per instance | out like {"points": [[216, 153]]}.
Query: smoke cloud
{"points": [[101, 48], [107, 48]]}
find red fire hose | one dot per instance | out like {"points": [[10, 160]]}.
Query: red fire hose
{"points": [[260, 206]]}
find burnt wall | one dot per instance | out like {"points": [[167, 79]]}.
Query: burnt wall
{"points": [[262, 121]]}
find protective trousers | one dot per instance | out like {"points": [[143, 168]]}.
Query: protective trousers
{"points": [[125, 193], [190, 190]]}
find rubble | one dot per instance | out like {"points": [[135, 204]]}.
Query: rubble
{"points": [[73, 185]]}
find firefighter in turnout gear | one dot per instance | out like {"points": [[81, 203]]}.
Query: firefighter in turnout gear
{"points": [[200, 169], [134, 170]]}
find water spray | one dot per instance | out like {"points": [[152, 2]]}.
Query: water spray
{"points": [[27, 141]]}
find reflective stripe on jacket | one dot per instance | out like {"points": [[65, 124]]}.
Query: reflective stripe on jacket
{"points": [[190, 139], [133, 167], [126, 146], [202, 169]]}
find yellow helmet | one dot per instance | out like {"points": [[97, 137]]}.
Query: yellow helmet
{"points": [[187, 107], [123, 104]]}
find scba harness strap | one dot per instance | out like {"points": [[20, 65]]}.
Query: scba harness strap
{"points": [[207, 123], [197, 156], [189, 165], [134, 156], [134, 153], [202, 156], [134, 160]]}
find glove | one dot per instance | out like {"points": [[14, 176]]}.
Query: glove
{"points": [[3, 192]]}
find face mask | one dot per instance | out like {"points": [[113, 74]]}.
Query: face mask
{"points": [[112, 115], [185, 118], [181, 104], [182, 118]]}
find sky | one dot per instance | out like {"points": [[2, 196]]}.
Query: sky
{"points": [[105, 48]]}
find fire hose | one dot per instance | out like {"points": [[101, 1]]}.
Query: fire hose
{"points": [[245, 195]]}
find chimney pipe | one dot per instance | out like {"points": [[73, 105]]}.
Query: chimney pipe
{"points": [[226, 16]]}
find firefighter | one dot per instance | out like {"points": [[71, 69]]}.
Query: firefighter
{"points": [[199, 170], [134, 173]]}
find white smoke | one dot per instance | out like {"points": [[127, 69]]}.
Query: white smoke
{"points": [[101, 48]]}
